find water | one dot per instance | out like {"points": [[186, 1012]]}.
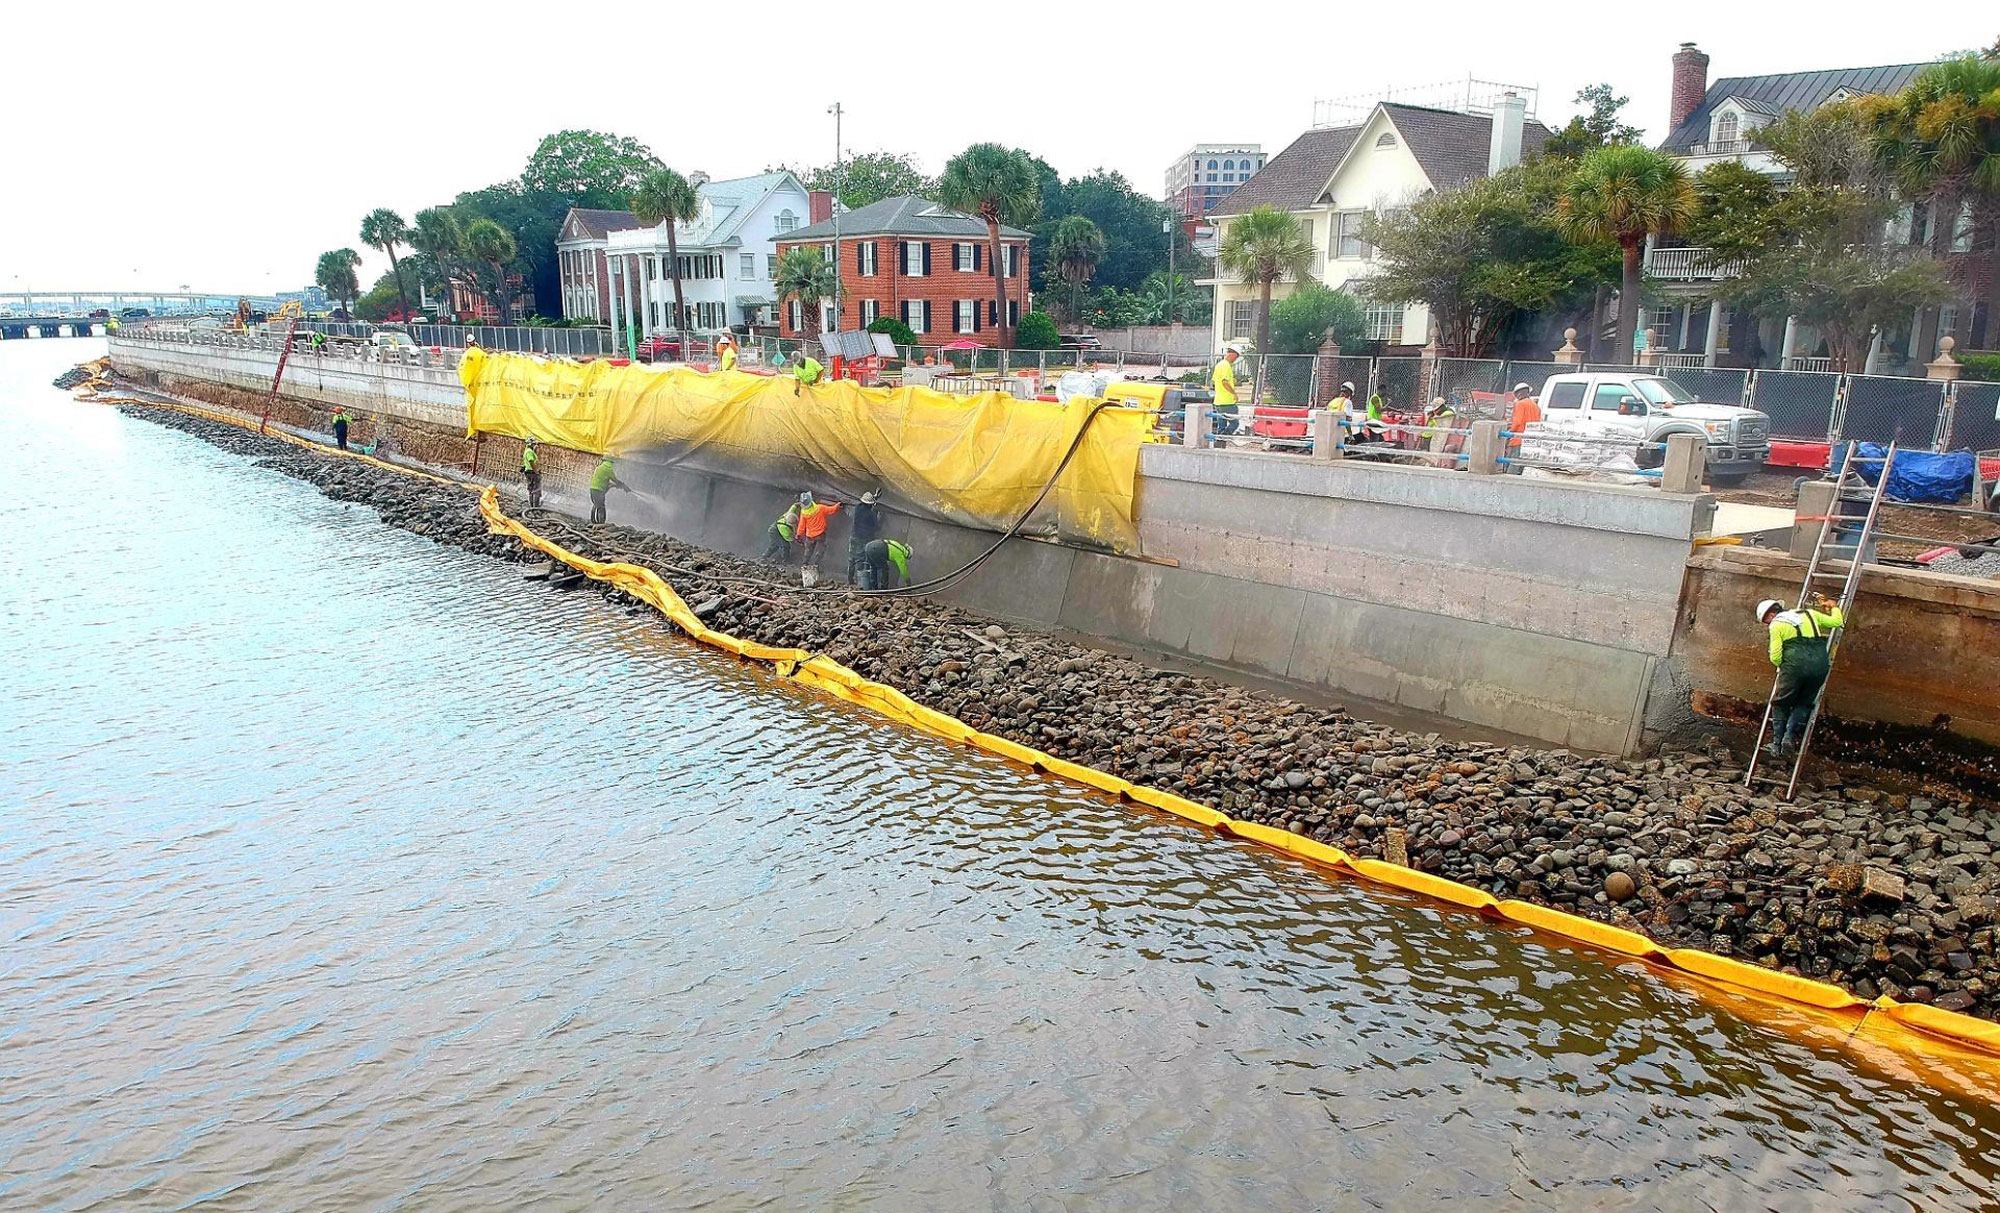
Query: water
{"points": [[339, 870]]}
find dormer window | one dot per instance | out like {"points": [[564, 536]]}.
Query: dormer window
{"points": [[1728, 128]]}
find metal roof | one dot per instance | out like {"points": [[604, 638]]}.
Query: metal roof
{"points": [[1774, 94], [905, 215]]}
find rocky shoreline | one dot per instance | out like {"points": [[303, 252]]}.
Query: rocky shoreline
{"points": [[1878, 891]]}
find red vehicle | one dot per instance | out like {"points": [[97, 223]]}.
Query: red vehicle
{"points": [[657, 349]]}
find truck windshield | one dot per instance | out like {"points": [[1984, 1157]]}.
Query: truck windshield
{"points": [[1664, 392]]}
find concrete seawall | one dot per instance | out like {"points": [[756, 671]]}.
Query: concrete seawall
{"points": [[1546, 610]]}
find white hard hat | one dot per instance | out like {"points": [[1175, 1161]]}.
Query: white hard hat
{"points": [[1234, 347], [1522, 387], [1767, 606], [1346, 387]]}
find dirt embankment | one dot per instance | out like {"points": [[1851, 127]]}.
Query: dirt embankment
{"points": [[1879, 891]]}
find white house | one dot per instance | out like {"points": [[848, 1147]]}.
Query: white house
{"points": [[1333, 178], [725, 257]]}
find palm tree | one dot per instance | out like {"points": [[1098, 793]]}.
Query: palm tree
{"points": [[384, 229], [335, 275], [1000, 185], [665, 196], [493, 246], [1076, 246], [437, 234], [1626, 192], [1262, 247], [806, 275]]}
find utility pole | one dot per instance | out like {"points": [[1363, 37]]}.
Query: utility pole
{"points": [[839, 183], [1167, 228]]}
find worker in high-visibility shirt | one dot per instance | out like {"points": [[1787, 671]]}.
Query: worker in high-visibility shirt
{"points": [[725, 353], [1223, 380], [1801, 650], [779, 544], [602, 481], [806, 373], [876, 558], [341, 421], [1527, 410], [531, 471], [813, 517]]}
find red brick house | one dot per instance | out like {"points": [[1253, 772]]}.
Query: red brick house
{"points": [[586, 283], [927, 266]]}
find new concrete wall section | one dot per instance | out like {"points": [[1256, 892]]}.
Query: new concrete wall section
{"points": [[427, 394]]}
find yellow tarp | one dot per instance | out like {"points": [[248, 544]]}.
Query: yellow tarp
{"points": [[974, 460]]}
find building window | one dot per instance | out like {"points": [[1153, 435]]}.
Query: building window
{"points": [[826, 253], [796, 316], [917, 314], [1228, 166], [1385, 322], [965, 257], [915, 254], [1727, 127], [1306, 226], [748, 265], [787, 221], [1013, 313], [871, 309], [1212, 176], [829, 321], [770, 265], [1211, 164], [1013, 261], [1385, 140], [1348, 245], [864, 259], [1242, 314], [966, 316]]}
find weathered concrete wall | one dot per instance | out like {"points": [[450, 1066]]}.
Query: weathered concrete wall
{"points": [[1924, 649], [426, 394]]}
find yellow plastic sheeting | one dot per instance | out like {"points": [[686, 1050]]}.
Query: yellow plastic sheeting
{"points": [[975, 460]]}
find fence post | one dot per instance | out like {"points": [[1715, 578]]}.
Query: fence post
{"points": [[1686, 463], [1324, 432], [1194, 426], [1374, 375], [1947, 416], [1483, 447], [1841, 388], [1312, 388], [1750, 388]]}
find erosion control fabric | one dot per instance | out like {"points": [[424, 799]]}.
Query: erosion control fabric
{"points": [[974, 460]]}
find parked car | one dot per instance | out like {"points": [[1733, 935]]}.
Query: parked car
{"points": [[393, 346], [1651, 408], [659, 349]]}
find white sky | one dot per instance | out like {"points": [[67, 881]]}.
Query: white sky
{"points": [[243, 140]]}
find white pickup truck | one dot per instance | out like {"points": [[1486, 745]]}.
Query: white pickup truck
{"points": [[1650, 408]]}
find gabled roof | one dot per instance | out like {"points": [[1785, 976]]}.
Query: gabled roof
{"points": [[1805, 91], [905, 215], [1451, 148], [1750, 105], [729, 205], [585, 223]]}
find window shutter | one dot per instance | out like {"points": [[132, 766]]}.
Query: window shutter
{"points": [[976, 255], [927, 303], [992, 312], [927, 262], [975, 315]]}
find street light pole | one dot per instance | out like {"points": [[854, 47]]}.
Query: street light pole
{"points": [[1167, 228], [839, 183]]}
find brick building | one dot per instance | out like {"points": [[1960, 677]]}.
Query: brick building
{"points": [[580, 254], [927, 266]]}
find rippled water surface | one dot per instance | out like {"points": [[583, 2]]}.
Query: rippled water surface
{"points": [[343, 871]]}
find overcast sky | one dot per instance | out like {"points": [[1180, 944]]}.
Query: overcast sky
{"points": [[237, 142]]}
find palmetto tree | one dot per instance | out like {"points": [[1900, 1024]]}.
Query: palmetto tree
{"points": [[335, 275], [1076, 247], [384, 229], [492, 246], [1626, 193], [436, 234], [806, 275], [664, 196], [1262, 247], [999, 185]]}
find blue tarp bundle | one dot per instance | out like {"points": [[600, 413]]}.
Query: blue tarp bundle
{"points": [[1919, 475]]}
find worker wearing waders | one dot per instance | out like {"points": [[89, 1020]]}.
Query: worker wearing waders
{"points": [[531, 471], [876, 559], [812, 529], [1800, 650], [725, 353], [806, 373], [785, 529], [341, 421], [602, 481], [866, 527], [1223, 380]]}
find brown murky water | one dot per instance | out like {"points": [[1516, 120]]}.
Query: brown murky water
{"points": [[340, 871]]}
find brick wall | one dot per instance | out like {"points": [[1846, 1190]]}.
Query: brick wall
{"points": [[943, 287]]}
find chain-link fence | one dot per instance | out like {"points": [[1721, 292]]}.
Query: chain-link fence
{"points": [[1975, 417], [1403, 383], [1458, 377], [1880, 409], [527, 339], [1799, 403]]}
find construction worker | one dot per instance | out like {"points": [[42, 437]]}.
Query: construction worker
{"points": [[602, 481], [1438, 422], [341, 420], [876, 558], [806, 373], [531, 471], [779, 545], [1223, 380], [725, 353], [813, 517], [1376, 423], [1800, 650], [316, 343], [865, 528], [1527, 410]]}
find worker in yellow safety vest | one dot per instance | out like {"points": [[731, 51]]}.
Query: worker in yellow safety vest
{"points": [[1223, 380], [807, 372], [531, 471], [1800, 648], [725, 353], [779, 545]]}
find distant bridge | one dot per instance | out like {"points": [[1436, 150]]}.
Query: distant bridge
{"points": [[14, 328], [81, 303]]}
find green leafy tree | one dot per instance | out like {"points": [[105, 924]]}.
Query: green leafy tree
{"points": [[380, 301], [584, 162], [335, 275], [1264, 246], [871, 177], [1736, 211], [1626, 193], [806, 276], [1076, 248], [1597, 126], [1174, 299], [1302, 321], [437, 237], [898, 332], [1037, 332], [999, 185], [384, 229], [666, 197], [494, 247], [1135, 247]]}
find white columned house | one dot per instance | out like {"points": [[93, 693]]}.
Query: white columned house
{"points": [[724, 253]]}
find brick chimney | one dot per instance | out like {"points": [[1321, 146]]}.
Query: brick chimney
{"points": [[1690, 84], [819, 205]]}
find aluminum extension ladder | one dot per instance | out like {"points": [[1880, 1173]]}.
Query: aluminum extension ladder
{"points": [[1849, 478]]}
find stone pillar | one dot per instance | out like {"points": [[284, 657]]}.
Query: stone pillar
{"points": [[1483, 448], [1946, 367], [1714, 344], [1650, 356], [1686, 464], [1785, 347], [1324, 430], [617, 333], [1815, 504], [1874, 358], [1569, 354], [1194, 426]]}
